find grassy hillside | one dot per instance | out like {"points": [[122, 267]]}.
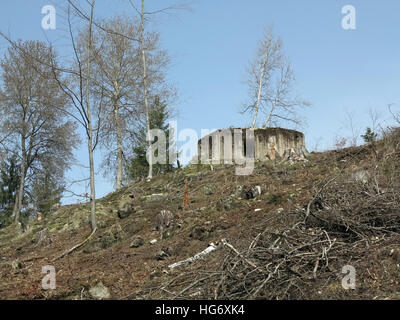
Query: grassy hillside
{"points": [[289, 242]]}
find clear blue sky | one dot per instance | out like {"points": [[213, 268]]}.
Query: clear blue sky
{"points": [[336, 69]]}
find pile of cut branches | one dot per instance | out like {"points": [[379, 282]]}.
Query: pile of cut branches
{"points": [[344, 221]]}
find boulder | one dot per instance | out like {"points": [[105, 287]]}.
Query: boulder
{"points": [[294, 155], [227, 203], [104, 240], [167, 234], [16, 265], [199, 233], [137, 242], [126, 208], [208, 191], [162, 255], [395, 254], [100, 292], [360, 175], [250, 192]]}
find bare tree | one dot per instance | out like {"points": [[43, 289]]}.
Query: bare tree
{"points": [[117, 68], [91, 145], [353, 128], [282, 106], [77, 88], [117, 62], [376, 121], [146, 103], [76, 82], [29, 113], [270, 81], [119, 37], [260, 71]]}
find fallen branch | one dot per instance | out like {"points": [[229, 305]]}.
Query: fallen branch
{"points": [[212, 247], [189, 287], [75, 247], [32, 259]]}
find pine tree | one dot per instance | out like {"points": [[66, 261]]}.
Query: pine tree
{"points": [[369, 136], [138, 166], [9, 184], [47, 191]]}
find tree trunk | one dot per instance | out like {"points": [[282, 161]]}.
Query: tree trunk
{"points": [[92, 184], [20, 195], [150, 175], [269, 117], [119, 147], [277, 97], [260, 83], [90, 130]]}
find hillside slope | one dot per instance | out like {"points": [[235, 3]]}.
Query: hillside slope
{"points": [[289, 242]]}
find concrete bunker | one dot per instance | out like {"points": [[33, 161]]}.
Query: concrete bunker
{"points": [[227, 146]]}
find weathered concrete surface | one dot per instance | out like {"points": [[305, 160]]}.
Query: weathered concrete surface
{"points": [[224, 146]]}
